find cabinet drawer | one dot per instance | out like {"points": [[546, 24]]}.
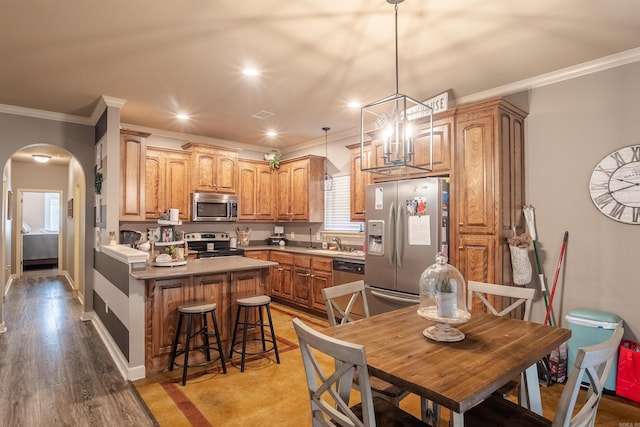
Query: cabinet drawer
{"points": [[302, 261], [322, 263], [281, 258], [262, 255]]}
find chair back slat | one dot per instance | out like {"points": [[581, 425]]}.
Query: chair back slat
{"points": [[522, 296], [596, 361], [335, 296]]}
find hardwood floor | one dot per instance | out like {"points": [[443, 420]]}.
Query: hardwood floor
{"points": [[54, 368]]}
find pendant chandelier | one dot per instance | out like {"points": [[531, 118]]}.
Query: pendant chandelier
{"points": [[390, 124], [327, 181]]}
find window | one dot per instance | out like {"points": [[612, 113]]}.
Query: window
{"points": [[52, 212], [337, 206]]}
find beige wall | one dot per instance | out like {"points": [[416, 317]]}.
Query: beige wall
{"points": [[570, 127]]}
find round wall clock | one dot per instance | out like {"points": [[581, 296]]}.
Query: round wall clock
{"points": [[615, 185]]}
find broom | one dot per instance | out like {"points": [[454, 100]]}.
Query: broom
{"points": [[529, 216]]}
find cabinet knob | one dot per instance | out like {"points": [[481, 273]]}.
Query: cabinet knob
{"points": [[460, 247], [461, 223]]}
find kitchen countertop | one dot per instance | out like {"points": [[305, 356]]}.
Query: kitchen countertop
{"points": [[359, 255], [203, 266]]}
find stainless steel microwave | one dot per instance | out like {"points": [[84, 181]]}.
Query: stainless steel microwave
{"points": [[214, 207]]}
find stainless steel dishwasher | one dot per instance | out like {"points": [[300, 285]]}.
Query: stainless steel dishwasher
{"points": [[346, 271]]}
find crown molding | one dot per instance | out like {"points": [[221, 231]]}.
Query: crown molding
{"points": [[601, 64], [47, 115]]}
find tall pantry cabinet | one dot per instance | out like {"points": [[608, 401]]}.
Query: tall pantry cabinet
{"points": [[488, 187]]}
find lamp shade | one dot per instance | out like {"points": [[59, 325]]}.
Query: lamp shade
{"points": [[41, 158]]}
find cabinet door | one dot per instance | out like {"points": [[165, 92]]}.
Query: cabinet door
{"points": [[132, 176], [214, 288], [226, 172], [477, 257], [441, 152], [283, 184], [300, 190], [265, 196], [302, 286], [248, 190], [176, 188], [319, 281], [359, 181], [154, 182], [204, 171], [475, 176], [167, 294]]}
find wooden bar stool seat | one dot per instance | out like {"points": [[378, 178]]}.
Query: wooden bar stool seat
{"points": [[248, 304], [191, 311]]}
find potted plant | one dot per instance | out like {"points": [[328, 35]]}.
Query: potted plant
{"points": [[274, 160], [446, 298]]}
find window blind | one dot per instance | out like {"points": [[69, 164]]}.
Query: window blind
{"points": [[337, 206]]}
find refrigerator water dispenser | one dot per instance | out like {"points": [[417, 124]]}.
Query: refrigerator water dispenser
{"points": [[375, 233]]}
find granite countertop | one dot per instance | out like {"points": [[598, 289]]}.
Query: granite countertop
{"points": [[359, 255], [203, 266]]}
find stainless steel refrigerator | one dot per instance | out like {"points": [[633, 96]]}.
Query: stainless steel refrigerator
{"points": [[407, 223]]}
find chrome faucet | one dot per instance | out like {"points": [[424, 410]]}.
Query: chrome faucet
{"points": [[339, 243]]}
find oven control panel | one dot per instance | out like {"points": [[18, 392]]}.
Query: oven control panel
{"points": [[208, 236]]}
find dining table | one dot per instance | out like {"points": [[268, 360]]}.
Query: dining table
{"points": [[455, 375]]}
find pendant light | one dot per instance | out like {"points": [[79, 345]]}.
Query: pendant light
{"points": [[389, 122], [327, 182]]}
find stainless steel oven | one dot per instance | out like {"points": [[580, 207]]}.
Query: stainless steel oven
{"points": [[211, 207]]}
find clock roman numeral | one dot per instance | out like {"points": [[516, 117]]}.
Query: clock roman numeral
{"points": [[605, 171], [603, 200], [636, 153], [618, 158], [618, 210], [635, 214], [600, 186]]}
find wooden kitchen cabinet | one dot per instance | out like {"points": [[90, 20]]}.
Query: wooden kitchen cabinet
{"points": [[166, 182], [321, 277], [302, 280], [281, 280], [359, 180], [256, 191], [299, 190], [132, 175], [488, 185], [213, 169]]}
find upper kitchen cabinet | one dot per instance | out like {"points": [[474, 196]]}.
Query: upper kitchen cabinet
{"points": [[132, 177], [167, 182], [359, 180], [489, 188], [299, 195], [441, 153], [213, 169], [256, 191]]}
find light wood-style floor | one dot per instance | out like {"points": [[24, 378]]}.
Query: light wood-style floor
{"points": [[54, 368]]}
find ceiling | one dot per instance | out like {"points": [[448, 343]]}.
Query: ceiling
{"points": [[314, 56]]}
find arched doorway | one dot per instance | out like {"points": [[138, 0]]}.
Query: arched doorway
{"points": [[61, 174]]}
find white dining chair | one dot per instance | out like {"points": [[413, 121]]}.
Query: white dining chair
{"points": [[595, 361], [340, 300], [330, 388], [518, 297]]}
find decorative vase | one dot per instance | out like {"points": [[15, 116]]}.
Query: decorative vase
{"points": [[521, 265], [447, 304]]}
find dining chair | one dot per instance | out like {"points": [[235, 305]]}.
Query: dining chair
{"points": [[594, 361], [520, 297], [330, 388], [340, 300]]}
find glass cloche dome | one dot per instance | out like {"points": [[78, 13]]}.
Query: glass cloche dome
{"points": [[443, 293]]}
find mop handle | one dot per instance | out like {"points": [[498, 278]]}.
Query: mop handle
{"points": [[555, 280]]}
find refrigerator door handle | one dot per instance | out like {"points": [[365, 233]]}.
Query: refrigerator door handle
{"points": [[395, 298], [391, 253], [399, 231]]}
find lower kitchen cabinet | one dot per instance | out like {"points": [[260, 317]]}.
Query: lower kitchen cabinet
{"points": [[321, 277], [281, 281], [302, 280]]}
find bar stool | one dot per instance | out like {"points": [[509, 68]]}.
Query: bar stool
{"points": [[247, 304], [192, 310]]}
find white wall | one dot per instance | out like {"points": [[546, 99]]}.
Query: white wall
{"points": [[570, 127]]}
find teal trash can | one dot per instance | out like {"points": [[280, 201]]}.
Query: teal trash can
{"points": [[589, 327]]}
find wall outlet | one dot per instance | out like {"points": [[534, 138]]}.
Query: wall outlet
{"points": [[293, 235], [324, 245], [318, 236]]}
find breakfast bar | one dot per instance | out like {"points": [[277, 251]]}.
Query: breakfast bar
{"points": [[219, 280]]}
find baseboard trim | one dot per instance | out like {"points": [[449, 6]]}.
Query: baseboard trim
{"points": [[128, 373]]}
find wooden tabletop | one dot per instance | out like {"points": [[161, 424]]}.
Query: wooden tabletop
{"points": [[455, 375]]}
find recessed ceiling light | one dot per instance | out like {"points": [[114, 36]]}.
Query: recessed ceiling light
{"points": [[272, 133], [182, 116], [251, 72], [41, 158], [353, 104]]}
